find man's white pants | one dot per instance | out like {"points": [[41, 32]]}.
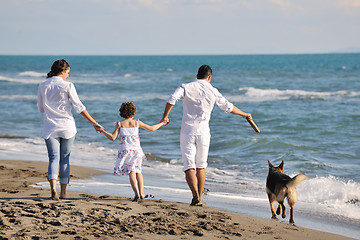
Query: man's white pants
{"points": [[194, 150]]}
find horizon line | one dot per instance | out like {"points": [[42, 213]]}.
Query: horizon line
{"points": [[159, 55]]}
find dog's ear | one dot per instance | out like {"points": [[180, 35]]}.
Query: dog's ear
{"points": [[281, 166], [270, 165]]}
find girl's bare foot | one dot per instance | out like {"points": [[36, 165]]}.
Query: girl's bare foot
{"points": [[135, 199], [144, 196]]}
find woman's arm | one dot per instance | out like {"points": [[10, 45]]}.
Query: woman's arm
{"points": [[87, 116], [114, 135], [149, 127]]}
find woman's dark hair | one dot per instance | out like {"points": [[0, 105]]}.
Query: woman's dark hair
{"points": [[58, 67], [127, 110], [204, 72]]}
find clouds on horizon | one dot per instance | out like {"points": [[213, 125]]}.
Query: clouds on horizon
{"points": [[177, 27]]}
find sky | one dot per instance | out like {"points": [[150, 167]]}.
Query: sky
{"points": [[178, 27]]}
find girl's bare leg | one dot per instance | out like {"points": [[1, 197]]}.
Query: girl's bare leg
{"points": [[134, 184], [140, 181]]}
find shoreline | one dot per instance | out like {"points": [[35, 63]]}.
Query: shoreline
{"points": [[28, 212]]}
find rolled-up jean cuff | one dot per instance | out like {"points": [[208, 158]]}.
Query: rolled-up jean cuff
{"points": [[50, 177], [64, 180]]}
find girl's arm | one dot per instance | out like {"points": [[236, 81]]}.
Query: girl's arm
{"points": [[150, 128], [114, 135]]}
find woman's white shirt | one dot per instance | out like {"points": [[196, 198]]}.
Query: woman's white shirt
{"points": [[55, 97]]}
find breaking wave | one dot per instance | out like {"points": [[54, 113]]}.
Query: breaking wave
{"points": [[258, 95]]}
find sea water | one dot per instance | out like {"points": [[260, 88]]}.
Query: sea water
{"points": [[306, 106]]}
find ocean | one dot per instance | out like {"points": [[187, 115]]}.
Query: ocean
{"points": [[306, 106]]}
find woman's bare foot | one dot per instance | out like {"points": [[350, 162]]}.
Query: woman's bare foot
{"points": [[54, 196]]}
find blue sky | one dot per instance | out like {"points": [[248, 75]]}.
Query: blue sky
{"points": [[163, 27]]}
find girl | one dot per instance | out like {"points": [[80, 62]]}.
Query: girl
{"points": [[130, 155]]}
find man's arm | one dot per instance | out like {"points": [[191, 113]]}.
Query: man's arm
{"points": [[237, 111], [176, 96], [167, 110]]}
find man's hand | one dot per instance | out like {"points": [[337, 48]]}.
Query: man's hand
{"points": [[247, 116], [166, 121]]}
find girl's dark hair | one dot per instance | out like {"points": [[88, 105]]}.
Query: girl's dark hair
{"points": [[127, 110], [58, 67], [204, 72]]}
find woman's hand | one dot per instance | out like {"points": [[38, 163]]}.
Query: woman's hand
{"points": [[98, 128]]}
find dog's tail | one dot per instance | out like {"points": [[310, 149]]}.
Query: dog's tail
{"points": [[296, 180]]}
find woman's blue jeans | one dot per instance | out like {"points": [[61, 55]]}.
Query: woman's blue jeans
{"points": [[59, 158]]}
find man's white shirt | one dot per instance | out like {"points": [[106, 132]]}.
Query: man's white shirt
{"points": [[199, 98]]}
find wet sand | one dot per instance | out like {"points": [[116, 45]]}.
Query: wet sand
{"points": [[27, 212]]}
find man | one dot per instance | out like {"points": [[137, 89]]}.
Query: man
{"points": [[198, 99]]}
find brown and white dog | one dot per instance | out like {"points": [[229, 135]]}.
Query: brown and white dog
{"points": [[280, 186]]}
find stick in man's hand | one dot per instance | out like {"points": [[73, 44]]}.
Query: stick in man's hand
{"points": [[253, 125]]}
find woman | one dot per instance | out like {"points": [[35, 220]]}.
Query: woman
{"points": [[55, 97]]}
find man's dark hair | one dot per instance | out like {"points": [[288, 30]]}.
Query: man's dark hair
{"points": [[204, 72]]}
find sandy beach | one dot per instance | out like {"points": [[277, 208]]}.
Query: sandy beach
{"points": [[28, 213]]}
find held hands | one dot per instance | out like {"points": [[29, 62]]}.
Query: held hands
{"points": [[98, 128], [165, 121]]}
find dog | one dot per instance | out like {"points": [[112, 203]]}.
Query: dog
{"points": [[280, 186]]}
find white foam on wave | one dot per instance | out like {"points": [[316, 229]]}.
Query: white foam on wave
{"points": [[331, 195], [126, 97], [22, 80], [18, 97], [83, 153], [127, 75], [236, 197], [28, 77], [258, 95], [32, 74]]}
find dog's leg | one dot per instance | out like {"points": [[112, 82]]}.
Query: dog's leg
{"points": [[278, 211], [292, 197], [271, 201], [281, 207], [291, 220]]}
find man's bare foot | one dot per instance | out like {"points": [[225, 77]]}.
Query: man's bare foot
{"points": [[197, 202]]}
